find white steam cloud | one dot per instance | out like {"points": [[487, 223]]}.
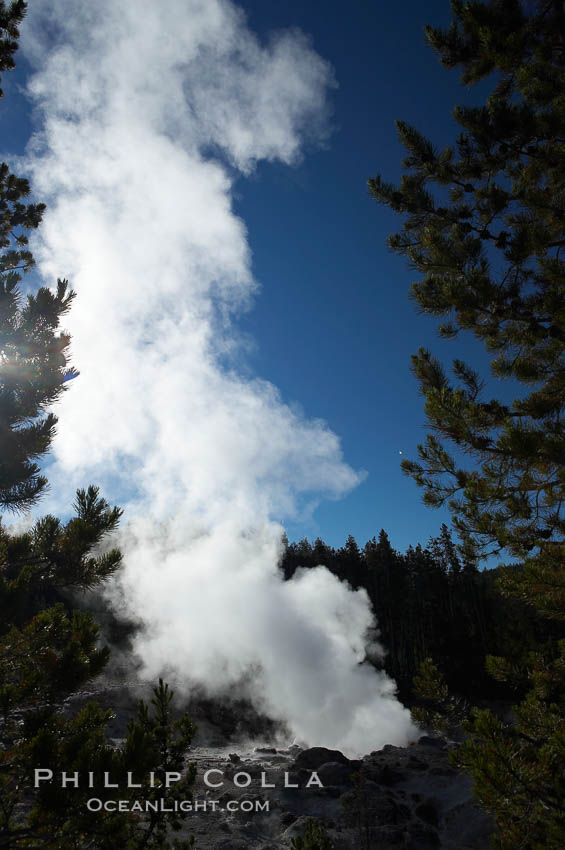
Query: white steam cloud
{"points": [[148, 114]]}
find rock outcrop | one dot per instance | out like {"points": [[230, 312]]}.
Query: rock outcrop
{"points": [[397, 797]]}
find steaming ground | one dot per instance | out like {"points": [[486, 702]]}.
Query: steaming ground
{"points": [[146, 120]]}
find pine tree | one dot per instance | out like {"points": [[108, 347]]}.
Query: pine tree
{"points": [[323, 555], [350, 566], [32, 371], [440, 710], [10, 18], [33, 351], [444, 552], [296, 555], [314, 838], [485, 227], [60, 818], [387, 582]]}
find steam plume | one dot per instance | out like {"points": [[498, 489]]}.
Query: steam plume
{"points": [[148, 115]]}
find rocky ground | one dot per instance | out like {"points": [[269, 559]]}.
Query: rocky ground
{"points": [[396, 797]]}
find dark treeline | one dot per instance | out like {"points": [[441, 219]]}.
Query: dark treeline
{"points": [[430, 604]]}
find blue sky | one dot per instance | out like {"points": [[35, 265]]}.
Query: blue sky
{"points": [[333, 326]]}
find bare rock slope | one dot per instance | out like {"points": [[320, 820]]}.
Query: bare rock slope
{"points": [[397, 797]]}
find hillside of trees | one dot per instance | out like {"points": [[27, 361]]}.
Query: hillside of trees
{"points": [[430, 604]]}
